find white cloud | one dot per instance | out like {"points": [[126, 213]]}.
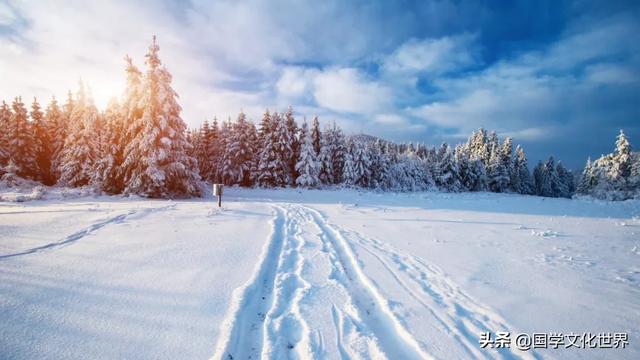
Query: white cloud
{"points": [[347, 90], [433, 56]]}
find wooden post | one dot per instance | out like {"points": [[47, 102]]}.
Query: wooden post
{"points": [[217, 191]]}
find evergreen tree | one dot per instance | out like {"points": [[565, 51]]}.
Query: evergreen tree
{"points": [[361, 165], [521, 178], [307, 166], [587, 179], [78, 156], [291, 156], [21, 144], [565, 181], [497, 173], [620, 169], [316, 135], [56, 131], [156, 160], [348, 169], [5, 126], [42, 144], [107, 175], [202, 146], [448, 171], [238, 154]]}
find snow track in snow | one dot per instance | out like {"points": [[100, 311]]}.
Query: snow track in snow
{"points": [[86, 231], [310, 298], [461, 316]]}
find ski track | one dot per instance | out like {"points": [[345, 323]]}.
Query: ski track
{"points": [[268, 317], [86, 231]]}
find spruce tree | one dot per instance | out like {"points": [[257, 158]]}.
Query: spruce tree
{"points": [[156, 162], [42, 144], [78, 156], [107, 175], [307, 166], [21, 145], [316, 135], [5, 126]]}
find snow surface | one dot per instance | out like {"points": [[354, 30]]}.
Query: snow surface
{"points": [[300, 274]]}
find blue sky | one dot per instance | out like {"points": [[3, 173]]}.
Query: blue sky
{"points": [[561, 77]]}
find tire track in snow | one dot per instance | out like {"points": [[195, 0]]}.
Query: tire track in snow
{"points": [[462, 316], [85, 231]]}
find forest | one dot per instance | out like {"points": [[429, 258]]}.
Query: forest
{"points": [[140, 145]]}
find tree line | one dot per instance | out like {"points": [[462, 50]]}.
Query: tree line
{"points": [[140, 145]]}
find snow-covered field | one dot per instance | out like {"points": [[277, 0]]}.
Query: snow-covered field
{"points": [[335, 274]]}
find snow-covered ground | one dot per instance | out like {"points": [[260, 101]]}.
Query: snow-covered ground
{"points": [[300, 274]]}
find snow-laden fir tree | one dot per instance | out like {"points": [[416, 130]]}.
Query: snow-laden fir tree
{"points": [[325, 159], [107, 175], [56, 130], [156, 160], [238, 159], [21, 144], [271, 169], [521, 181], [78, 156], [202, 147], [621, 163], [5, 123], [497, 173], [42, 144], [349, 176], [292, 138], [307, 166], [565, 187], [448, 172], [316, 135], [361, 165]]}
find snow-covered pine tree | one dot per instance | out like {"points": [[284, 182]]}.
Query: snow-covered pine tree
{"points": [[239, 153], [156, 160], [214, 149], [107, 175], [316, 135], [325, 159], [307, 166], [42, 144], [634, 178], [620, 169], [292, 134], [497, 173], [265, 174], [348, 170], [565, 181], [337, 155], [56, 131], [78, 156], [201, 151], [466, 175], [361, 165], [21, 145], [554, 179], [5, 123], [284, 151], [587, 179], [541, 182], [379, 165], [506, 157], [448, 171], [226, 129], [521, 179]]}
